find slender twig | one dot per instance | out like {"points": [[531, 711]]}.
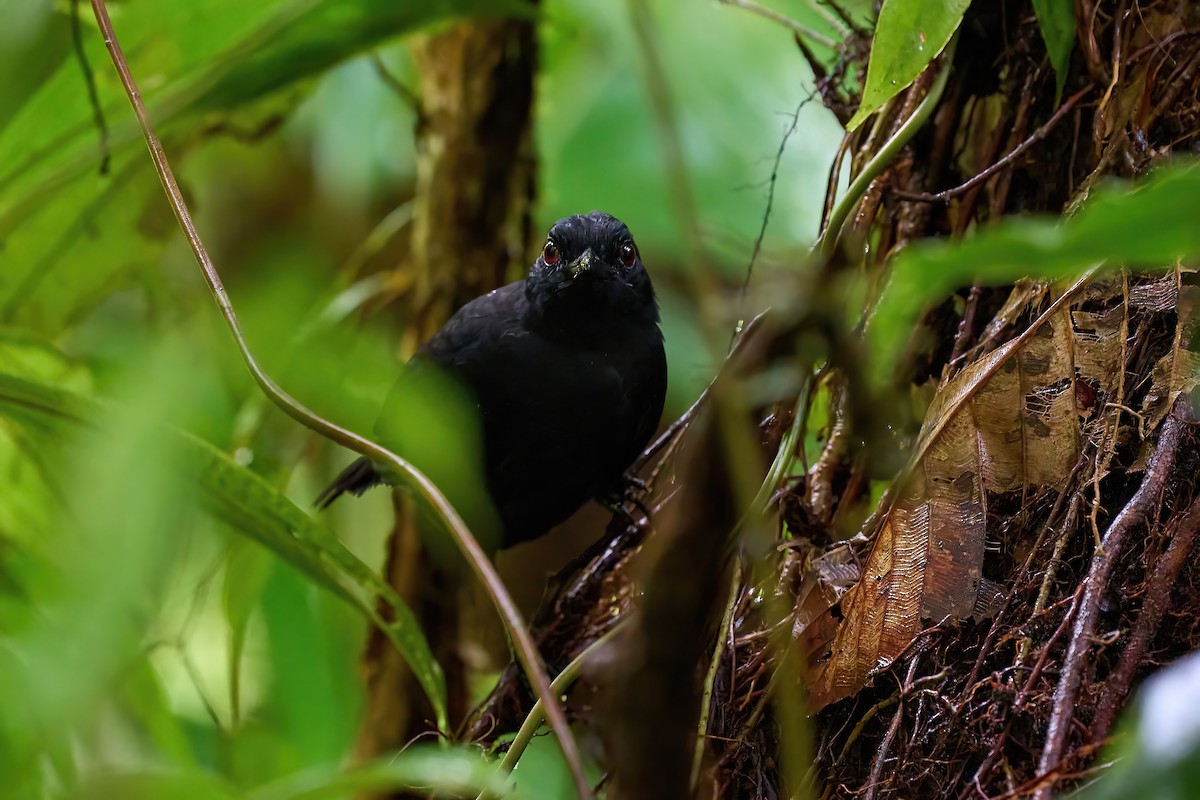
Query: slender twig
{"points": [[714, 664], [402, 90], [483, 568], [819, 8], [561, 683], [676, 428], [814, 36], [1134, 512], [997, 749], [885, 156], [766, 219], [885, 744], [835, 177], [1008, 159], [785, 455], [89, 80]]}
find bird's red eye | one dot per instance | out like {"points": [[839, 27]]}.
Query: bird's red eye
{"points": [[628, 254], [550, 254]]}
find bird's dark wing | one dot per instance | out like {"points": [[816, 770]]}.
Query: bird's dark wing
{"points": [[355, 479], [423, 406], [432, 415], [483, 323]]}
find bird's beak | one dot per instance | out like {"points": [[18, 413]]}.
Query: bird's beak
{"points": [[581, 264]]}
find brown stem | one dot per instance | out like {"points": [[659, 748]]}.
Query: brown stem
{"points": [[1105, 558], [1157, 598], [1051, 520], [997, 746], [885, 745], [1013, 155]]}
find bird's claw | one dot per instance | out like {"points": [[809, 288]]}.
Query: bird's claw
{"points": [[634, 484], [630, 492]]}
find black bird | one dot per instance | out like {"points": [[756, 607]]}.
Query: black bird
{"points": [[564, 376]]}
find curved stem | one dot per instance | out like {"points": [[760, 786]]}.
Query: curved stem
{"points": [[561, 683], [885, 156], [425, 489], [785, 455], [814, 36], [710, 676]]}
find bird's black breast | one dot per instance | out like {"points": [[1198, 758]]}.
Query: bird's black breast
{"points": [[562, 414]]}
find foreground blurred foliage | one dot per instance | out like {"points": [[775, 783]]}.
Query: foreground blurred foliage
{"points": [[143, 626], [173, 623]]}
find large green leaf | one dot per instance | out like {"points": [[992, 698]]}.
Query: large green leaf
{"points": [[193, 61], [95, 575], [1056, 18], [64, 222], [431, 770], [156, 785], [253, 507], [909, 34], [1147, 224], [460, 771]]}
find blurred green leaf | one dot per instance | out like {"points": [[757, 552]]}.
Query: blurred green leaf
{"points": [[115, 534], [256, 509], [175, 54], [309, 37], [423, 768], [908, 35], [312, 701], [1056, 18], [33, 42], [204, 67], [1156, 749], [146, 702], [155, 786], [543, 773], [1148, 224], [246, 572]]}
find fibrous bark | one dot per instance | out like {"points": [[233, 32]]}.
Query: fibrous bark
{"points": [[470, 234]]}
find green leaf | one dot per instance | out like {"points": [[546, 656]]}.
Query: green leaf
{"points": [[145, 699], [313, 36], [1056, 18], [138, 785], [256, 509], [1147, 224], [89, 594], [35, 42], [193, 60], [457, 771], [246, 573], [908, 35]]}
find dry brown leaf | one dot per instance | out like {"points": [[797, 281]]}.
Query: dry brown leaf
{"points": [[1008, 421], [1179, 370]]}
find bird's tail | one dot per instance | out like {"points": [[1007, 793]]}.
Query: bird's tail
{"points": [[355, 479]]}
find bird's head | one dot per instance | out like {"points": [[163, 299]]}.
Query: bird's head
{"points": [[590, 266]]}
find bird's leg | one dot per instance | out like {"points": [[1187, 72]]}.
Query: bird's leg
{"points": [[634, 483], [630, 490]]}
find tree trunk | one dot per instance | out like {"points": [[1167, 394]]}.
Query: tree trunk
{"points": [[471, 231]]}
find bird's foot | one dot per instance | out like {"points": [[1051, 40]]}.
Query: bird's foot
{"points": [[635, 484], [631, 491]]}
